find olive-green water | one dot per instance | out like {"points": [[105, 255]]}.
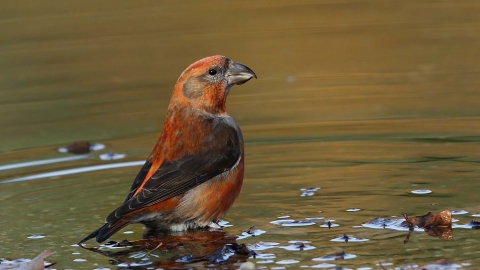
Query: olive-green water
{"points": [[368, 100]]}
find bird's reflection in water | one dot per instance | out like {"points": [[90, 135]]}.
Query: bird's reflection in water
{"points": [[177, 251]]}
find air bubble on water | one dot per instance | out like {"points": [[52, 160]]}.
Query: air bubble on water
{"points": [[36, 236], [421, 191]]}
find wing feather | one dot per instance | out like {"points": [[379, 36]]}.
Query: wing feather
{"points": [[179, 176]]}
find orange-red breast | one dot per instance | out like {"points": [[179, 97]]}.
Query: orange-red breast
{"points": [[195, 170]]}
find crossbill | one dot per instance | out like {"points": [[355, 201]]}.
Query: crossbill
{"points": [[195, 170]]}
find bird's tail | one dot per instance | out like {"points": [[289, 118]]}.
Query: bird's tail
{"points": [[107, 230]]}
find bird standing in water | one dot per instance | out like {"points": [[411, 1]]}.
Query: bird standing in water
{"points": [[195, 170]]}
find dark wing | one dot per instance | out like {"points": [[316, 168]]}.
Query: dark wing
{"points": [[139, 179], [179, 176]]}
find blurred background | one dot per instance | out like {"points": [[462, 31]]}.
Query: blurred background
{"points": [[366, 99]]}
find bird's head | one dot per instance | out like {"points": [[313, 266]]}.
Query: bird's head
{"points": [[205, 84]]}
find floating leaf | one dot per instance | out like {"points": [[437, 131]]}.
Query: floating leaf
{"points": [[436, 225]]}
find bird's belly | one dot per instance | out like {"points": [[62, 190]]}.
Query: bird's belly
{"points": [[211, 200]]}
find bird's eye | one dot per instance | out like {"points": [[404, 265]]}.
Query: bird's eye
{"points": [[212, 71]]}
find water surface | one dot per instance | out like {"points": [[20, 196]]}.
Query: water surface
{"points": [[368, 100]]}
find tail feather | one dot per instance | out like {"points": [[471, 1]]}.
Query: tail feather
{"points": [[107, 230]]}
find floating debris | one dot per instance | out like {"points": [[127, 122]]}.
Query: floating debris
{"points": [[459, 212], [421, 191], [81, 147], [185, 259], [441, 264], [353, 210], [298, 246], [262, 246], [265, 256], [224, 223], [388, 223], [27, 264], [309, 191], [348, 238], [471, 225], [292, 222], [134, 264], [329, 224], [335, 256], [115, 245], [111, 156], [252, 231], [436, 225], [36, 236]]}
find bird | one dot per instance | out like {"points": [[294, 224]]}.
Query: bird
{"points": [[195, 170]]}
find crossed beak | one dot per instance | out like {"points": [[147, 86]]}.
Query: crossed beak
{"points": [[239, 73]]}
